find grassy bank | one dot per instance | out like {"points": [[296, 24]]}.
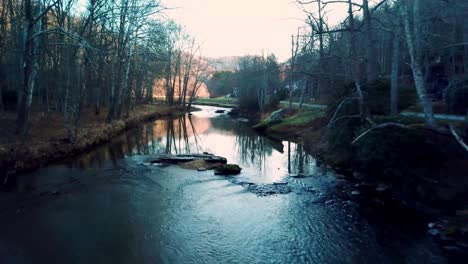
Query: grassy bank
{"points": [[418, 168], [48, 139], [422, 164], [295, 124], [220, 101]]}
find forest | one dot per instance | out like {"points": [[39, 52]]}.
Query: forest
{"points": [[120, 129], [394, 53], [381, 96], [67, 56]]}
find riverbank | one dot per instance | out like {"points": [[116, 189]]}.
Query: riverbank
{"points": [[423, 170], [228, 102], [119, 208], [48, 138]]}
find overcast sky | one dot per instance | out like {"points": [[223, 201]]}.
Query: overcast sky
{"points": [[239, 27]]}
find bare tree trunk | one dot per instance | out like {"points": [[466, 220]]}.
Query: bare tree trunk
{"points": [[355, 61], [179, 78], [320, 82], [304, 87], [124, 86], [372, 64], [174, 79], [187, 73], [412, 42], [31, 48], [291, 82], [110, 114], [394, 74], [168, 77]]}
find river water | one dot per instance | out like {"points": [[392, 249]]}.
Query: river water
{"points": [[106, 206]]}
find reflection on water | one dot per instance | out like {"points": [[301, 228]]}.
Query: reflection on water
{"points": [[263, 159], [118, 211]]}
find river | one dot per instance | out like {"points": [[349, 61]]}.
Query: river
{"points": [[106, 206]]}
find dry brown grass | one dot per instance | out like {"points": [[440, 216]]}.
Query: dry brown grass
{"points": [[48, 137]]}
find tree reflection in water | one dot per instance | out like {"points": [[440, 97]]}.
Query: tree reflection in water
{"points": [[179, 135], [186, 134], [173, 136], [301, 162]]}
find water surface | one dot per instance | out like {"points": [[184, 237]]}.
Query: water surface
{"points": [[106, 207]]}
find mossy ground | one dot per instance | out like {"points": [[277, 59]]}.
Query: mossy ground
{"points": [[299, 119], [220, 101], [294, 125]]}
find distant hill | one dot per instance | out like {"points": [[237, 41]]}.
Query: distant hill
{"points": [[224, 63]]}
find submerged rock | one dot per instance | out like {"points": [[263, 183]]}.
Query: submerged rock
{"points": [[228, 169], [299, 175], [280, 183], [219, 111], [269, 189], [265, 189]]}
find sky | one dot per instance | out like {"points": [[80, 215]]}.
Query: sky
{"points": [[239, 27]]}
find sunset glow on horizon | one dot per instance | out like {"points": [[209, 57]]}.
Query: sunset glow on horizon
{"points": [[242, 27]]}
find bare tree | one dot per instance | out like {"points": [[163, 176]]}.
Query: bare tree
{"points": [[413, 39], [33, 12]]}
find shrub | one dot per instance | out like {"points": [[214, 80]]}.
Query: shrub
{"points": [[282, 94], [338, 95], [273, 102], [456, 97], [248, 102], [386, 152], [10, 99], [377, 97]]}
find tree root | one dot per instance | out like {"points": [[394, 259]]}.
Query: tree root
{"points": [[379, 126], [457, 137]]}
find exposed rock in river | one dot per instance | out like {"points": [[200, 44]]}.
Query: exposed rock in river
{"points": [[200, 162], [200, 165], [274, 118], [228, 169], [183, 158]]}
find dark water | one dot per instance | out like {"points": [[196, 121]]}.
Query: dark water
{"points": [[106, 207]]}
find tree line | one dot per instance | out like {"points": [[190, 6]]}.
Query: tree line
{"points": [[256, 82], [384, 56], [68, 55], [401, 45]]}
